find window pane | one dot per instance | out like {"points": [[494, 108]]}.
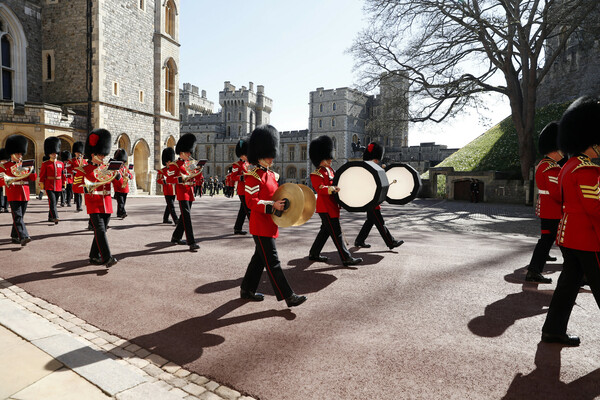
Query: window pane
{"points": [[7, 85], [5, 52]]}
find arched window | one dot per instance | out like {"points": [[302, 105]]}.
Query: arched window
{"points": [[228, 131], [320, 107], [239, 116], [354, 139], [170, 18], [13, 60], [7, 69], [332, 122], [170, 88], [291, 172], [334, 107], [228, 116], [320, 123], [239, 130]]}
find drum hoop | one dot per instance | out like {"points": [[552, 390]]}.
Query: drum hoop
{"points": [[373, 172], [416, 181]]}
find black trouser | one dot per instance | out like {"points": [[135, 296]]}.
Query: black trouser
{"points": [[121, 200], [77, 198], [68, 193], [3, 200], [330, 227], [242, 213], [170, 209], [265, 256], [19, 230], [52, 200], [549, 227], [184, 223], [374, 217], [577, 263], [100, 247]]}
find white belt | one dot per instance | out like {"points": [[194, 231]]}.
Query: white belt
{"points": [[101, 192], [543, 192]]}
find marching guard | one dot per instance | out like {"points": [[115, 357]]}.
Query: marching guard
{"points": [[3, 201], [16, 179], [67, 193], [122, 187], [374, 152], [51, 176], [94, 180], [579, 229], [76, 162], [168, 184], [321, 155], [260, 184], [238, 169], [183, 172], [548, 207]]}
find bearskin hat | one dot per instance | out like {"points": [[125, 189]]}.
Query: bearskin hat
{"points": [[98, 142], [374, 151], [78, 147], [168, 155], [120, 155], [16, 144], [241, 148], [578, 127], [51, 145], [186, 143], [263, 143], [548, 140], [320, 149], [3, 154], [65, 155]]}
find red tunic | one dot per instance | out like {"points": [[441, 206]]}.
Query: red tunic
{"points": [[98, 201], [18, 190], [321, 179], [167, 181], [51, 175], [579, 226], [68, 172], [123, 185], [238, 169], [546, 178], [184, 191], [260, 184], [76, 163]]}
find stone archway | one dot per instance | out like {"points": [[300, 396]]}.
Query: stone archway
{"points": [[171, 142], [66, 143], [123, 142], [141, 159]]}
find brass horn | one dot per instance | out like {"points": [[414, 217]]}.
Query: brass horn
{"points": [[104, 176], [193, 168], [9, 180], [301, 208]]}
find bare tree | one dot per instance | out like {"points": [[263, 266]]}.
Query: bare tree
{"points": [[453, 51]]}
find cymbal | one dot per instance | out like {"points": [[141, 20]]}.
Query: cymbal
{"points": [[310, 202], [294, 194]]}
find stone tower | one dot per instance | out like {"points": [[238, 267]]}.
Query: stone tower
{"points": [[576, 71], [243, 109], [113, 63], [341, 114]]}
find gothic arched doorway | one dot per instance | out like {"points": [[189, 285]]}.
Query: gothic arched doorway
{"points": [[141, 156]]}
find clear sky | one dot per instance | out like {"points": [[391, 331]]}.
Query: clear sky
{"points": [[291, 48]]}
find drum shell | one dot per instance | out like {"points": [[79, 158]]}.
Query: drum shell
{"points": [[411, 184], [376, 187]]}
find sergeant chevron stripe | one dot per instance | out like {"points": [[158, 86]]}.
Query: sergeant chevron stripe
{"points": [[553, 179], [252, 189], [590, 192]]}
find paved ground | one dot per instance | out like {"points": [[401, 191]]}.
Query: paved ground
{"points": [[446, 315]]}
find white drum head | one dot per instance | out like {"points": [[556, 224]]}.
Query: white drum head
{"points": [[357, 187]]}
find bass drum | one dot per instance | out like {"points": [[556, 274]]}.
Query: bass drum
{"points": [[363, 185], [406, 186]]}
